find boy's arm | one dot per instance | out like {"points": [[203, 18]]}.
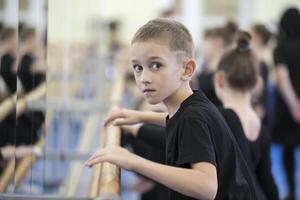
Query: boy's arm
{"points": [[199, 182], [121, 117]]}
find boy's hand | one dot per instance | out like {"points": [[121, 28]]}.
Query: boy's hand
{"points": [[115, 155], [121, 117]]}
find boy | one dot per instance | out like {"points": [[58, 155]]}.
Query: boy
{"points": [[203, 160]]}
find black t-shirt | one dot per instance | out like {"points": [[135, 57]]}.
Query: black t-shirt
{"points": [[256, 153], [198, 133], [6, 66], [153, 135]]}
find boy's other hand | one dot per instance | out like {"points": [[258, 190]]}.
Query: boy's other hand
{"points": [[115, 155], [120, 117]]}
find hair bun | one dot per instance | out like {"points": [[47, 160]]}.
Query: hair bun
{"points": [[243, 41]]}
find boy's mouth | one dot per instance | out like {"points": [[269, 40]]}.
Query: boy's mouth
{"points": [[148, 91]]}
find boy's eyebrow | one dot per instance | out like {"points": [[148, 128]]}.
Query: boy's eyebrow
{"points": [[155, 57], [150, 58], [134, 61]]}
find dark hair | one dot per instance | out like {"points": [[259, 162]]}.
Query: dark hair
{"points": [[239, 64], [1, 27], [289, 27], [225, 33], [219, 32], [7, 33], [114, 25], [263, 32], [168, 31], [231, 27], [27, 33]]}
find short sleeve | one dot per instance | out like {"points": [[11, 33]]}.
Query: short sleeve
{"points": [[278, 57], [195, 143]]}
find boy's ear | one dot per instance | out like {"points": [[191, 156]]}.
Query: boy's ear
{"points": [[189, 69]]}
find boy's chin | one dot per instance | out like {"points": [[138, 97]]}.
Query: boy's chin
{"points": [[153, 101]]}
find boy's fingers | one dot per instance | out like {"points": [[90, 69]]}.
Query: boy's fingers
{"points": [[94, 161], [88, 164], [99, 153], [107, 120], [92, 157], [121, 122], [112, 116], [100, 159]]}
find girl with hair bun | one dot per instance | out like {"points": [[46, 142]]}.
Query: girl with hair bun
{"points": [[235, 79]]}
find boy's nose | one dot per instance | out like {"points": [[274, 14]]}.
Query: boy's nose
{"points": [[145, 77]]}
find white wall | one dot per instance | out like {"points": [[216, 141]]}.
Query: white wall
{"points": [[10, 13], [74, 16], [271, 10]]}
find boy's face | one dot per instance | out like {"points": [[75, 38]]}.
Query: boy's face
{"points": [[156, 70]]}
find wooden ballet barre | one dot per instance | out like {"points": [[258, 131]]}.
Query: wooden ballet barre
{"points": [[21, 169], [94, 188], [20, 105], [35, 94], [7, 106], [109, 186], [109, 177], [26, 162], [91, 124], [7, 175], [73, 180]]}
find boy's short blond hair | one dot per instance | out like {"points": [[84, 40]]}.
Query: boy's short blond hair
{"points": [[169, 32]]}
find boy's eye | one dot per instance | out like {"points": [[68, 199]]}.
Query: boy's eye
{"points": [[137, 68], [156, 66]]}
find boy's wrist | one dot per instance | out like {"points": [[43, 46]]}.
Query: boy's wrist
{"points": [[136, 163], [143, 116]]}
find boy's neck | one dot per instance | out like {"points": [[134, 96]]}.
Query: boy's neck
{"points": [[174, 101]]}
